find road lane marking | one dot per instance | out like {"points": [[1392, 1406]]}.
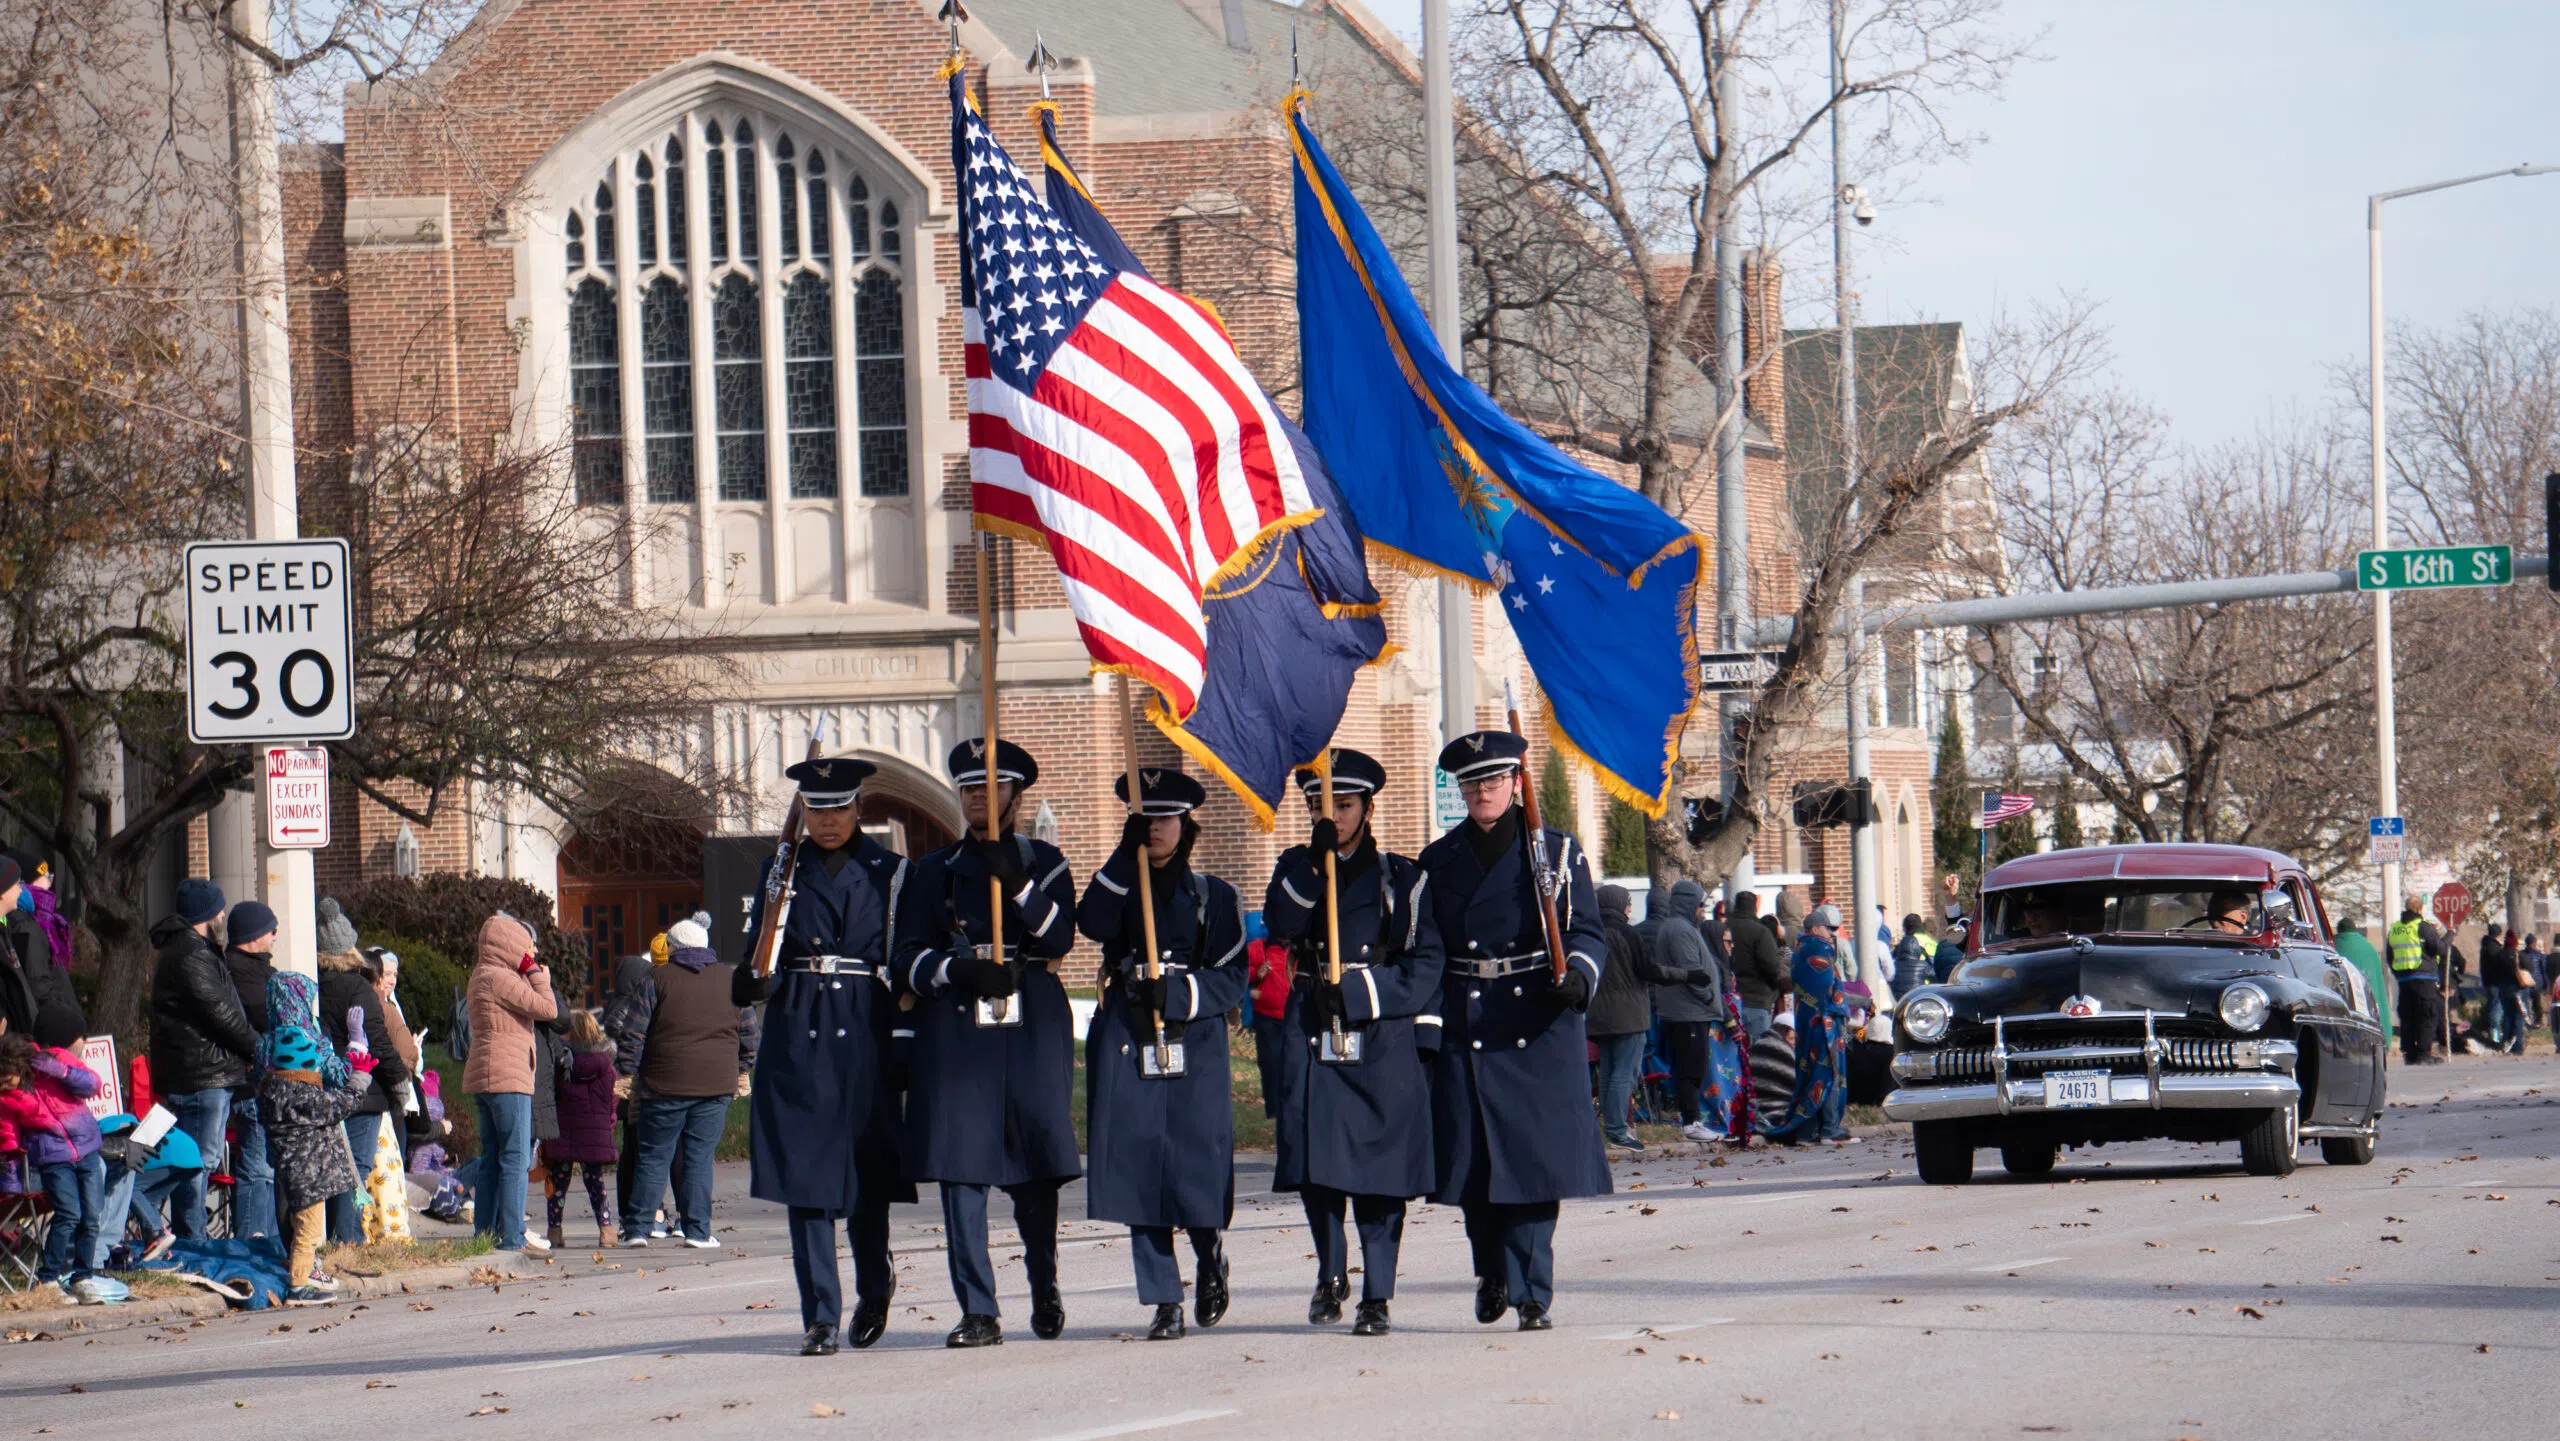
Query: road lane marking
{"points": [[2020, 1265], [1131, 1428], [1641, 1332], [1783, 1196], [591, 1360], [2280, 1220]]}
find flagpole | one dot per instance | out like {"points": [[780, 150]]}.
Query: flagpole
{"points": [[1440, 170], [987, 712], [1146, 867], [1332, 901]]}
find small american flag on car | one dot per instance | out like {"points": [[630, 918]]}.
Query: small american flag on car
{"points": [[1998, 807]]}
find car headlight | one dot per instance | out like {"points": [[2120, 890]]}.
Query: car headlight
{"points": [[2243, 1006], [1924, 1019]]}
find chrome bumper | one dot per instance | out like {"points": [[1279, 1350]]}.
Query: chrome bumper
{"points": [[2124, 1093]]}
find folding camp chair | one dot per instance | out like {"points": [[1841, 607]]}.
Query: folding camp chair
{"points": [[24, 1216]]}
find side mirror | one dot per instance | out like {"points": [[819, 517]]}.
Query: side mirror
{"points": [[2278, 906]]}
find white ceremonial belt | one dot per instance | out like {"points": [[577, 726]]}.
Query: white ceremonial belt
{"points": [[1499, 966], [831, 965]]}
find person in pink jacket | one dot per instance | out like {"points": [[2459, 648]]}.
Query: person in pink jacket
{"points": [[43, 1095], [508, 992]]}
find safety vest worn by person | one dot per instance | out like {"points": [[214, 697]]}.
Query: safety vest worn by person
{"points": [[2407, 952]]}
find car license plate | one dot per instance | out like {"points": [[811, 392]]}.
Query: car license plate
{"points": [[2074, 1090]]}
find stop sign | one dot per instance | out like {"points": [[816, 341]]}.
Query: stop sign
{"points": [[2453, 904]]}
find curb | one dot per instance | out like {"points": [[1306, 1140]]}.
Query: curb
{"points": [[60, 1321]]}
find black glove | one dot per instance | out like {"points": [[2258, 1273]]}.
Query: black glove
{"points": [[1574, 987], [1001, 859], [982, 977], [1144, 993], [1133, 832], [1322, 840], [1323, 1004]]}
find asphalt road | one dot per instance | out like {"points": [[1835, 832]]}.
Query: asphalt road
{"points": [[2149, 1291]]}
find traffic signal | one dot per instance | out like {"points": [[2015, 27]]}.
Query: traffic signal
{"points": [[1820, 804]]}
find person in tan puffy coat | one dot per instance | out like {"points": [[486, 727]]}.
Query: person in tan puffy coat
{"points": [[508, 992]]}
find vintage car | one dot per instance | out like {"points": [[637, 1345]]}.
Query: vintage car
{"points": [[2125, 993]]}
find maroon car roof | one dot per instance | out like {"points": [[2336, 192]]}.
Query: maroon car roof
{"points": [[2179, 861]]}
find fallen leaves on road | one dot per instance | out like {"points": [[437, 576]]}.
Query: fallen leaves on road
{"points": [[382, 1385], [2252, 1312], [639, 1376], [1755, 1400], [2482, 1348], [487, 1276], [1666, 1415], [1892, 1300], [1839, 1208], [1657, 1210], [821, 1408], [2495, 1196], [490, 1411], [1924, 1248], [421, 1306], [1685, 1356], [2395, 1240], [1530, 1401]]}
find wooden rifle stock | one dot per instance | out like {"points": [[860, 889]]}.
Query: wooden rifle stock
{"points": [[783, 880], [1537, 842]]}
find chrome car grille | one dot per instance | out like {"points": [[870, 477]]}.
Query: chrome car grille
{"points": [[2102, 1048]]}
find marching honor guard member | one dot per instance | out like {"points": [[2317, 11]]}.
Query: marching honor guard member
{"points": [[993, 1038], [1511, 1116], [1161, 1108], [1355, 1118], [823, 1118]]}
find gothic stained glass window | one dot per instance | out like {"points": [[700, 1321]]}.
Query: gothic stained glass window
{"points": [[595, 395], [880, 383], [786, 177], [645, 195], [746, 191], [666, 390], [677, 202], [809, 386], [737, 394], [835, 342]]}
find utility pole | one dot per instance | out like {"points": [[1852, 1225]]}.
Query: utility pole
{"points": [[1862, 837], [1733, 506], [1440, 166], [266, 403]]}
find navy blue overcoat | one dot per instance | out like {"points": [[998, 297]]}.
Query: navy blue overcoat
{"points": [[822, 1126], [987, 1105], [1363, 1128], [1511, 1113], [1163, 1148]]}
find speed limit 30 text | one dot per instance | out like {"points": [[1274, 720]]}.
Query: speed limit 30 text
{"points": [[243, 587]]}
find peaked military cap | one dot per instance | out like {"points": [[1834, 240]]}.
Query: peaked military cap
{"points": [[1483, 753], [1353, 774], [828, 783], [968, 763], [1162, 791]]}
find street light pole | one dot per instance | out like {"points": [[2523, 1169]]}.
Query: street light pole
{"points": [[2386, 728], [1440, 193], [1869, 961]]}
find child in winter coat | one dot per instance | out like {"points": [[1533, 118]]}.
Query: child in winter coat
{"points": [[585, 1142], [42, 1094], [306, 1091]]}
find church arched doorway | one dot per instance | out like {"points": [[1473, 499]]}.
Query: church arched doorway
{"points": [[632, 868]]}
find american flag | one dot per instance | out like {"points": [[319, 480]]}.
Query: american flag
{"points": [[1109, 420], [1998, 807]]}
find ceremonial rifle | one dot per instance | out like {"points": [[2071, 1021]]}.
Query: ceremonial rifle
{"points": [[1537, 839], [1166, 1062], [781, 882]]}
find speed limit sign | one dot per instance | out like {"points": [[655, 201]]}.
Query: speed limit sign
{"points": [[268, 648]]}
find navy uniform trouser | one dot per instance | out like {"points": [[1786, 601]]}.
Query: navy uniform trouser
{"points": [[1381, 1222], [1516, 1242], [813, 1260], [964, 1231], [1159, 1278]]}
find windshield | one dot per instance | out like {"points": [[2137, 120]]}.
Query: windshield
{"points": [[2091, 908]]}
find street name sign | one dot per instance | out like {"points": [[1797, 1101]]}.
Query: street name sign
{"points": [[2388, 840], [297, 797], [2435, 567], [269, 641], [1729, 671]]}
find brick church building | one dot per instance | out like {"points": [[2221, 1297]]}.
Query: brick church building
{"points": [[707, 251]]}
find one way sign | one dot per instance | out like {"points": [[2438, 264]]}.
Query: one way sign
{"points": [[1725, 672]]}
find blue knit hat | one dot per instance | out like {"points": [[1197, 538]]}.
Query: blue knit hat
{"points": [[199, 900], [249, 920]]}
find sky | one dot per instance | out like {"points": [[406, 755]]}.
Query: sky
{"points": [[2198, 171]]}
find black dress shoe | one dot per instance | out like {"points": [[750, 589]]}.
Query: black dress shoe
{"points": [[1493, 1297], [1209, 1305], [975, 1331], [1168, 1323], [1533, 1317], [1048, 1314], [870, 1321], [1373, 1320], [821, 1341], [1325, 1307]]}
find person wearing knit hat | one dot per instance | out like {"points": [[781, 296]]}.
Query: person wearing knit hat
{"points": [[690, 1062], [248, 954], [201, 1046], [355, 1020]]}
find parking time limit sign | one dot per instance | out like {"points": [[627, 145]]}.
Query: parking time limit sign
{"points": [[269, 641]]}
